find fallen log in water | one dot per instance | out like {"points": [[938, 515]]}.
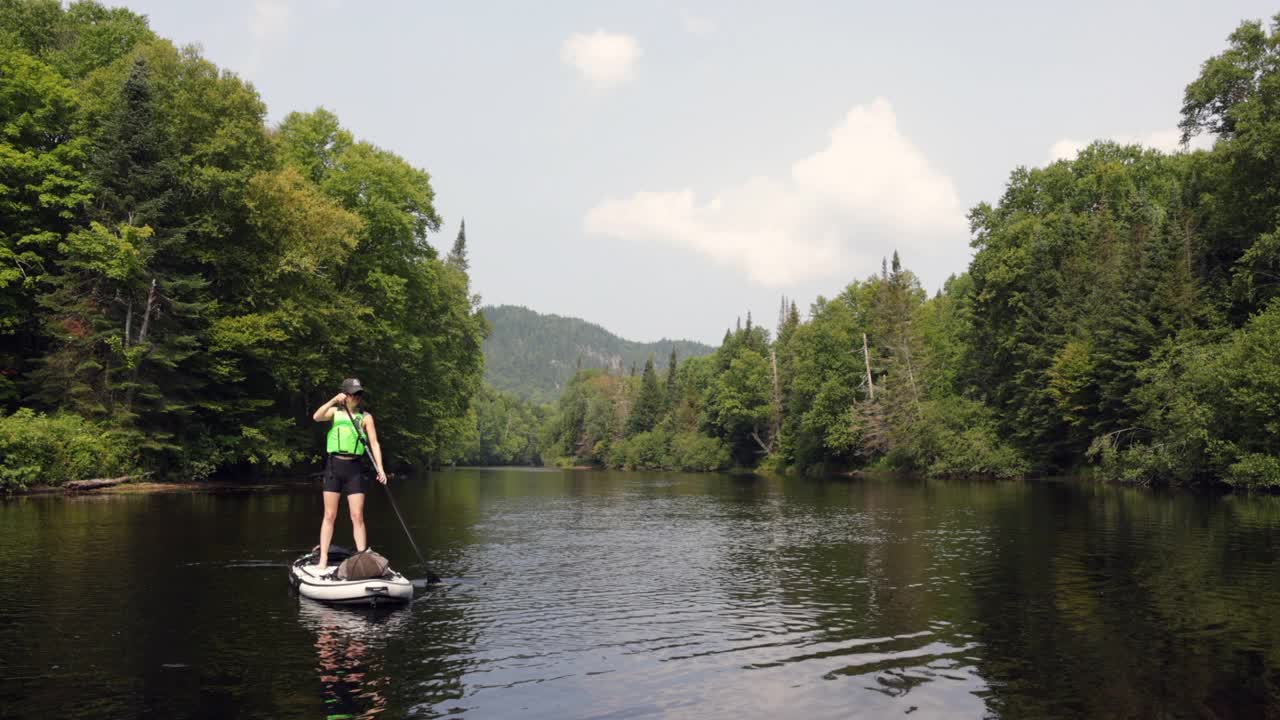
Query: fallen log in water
{"points": [[81, 485]]}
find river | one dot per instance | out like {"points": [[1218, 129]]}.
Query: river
{"points": [[575, 594]]}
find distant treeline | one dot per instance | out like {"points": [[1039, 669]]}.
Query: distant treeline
{"points": [[1120, 312], [180, 285]]}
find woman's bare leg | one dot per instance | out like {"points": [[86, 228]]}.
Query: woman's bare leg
{"points": [[326, 525], [356, 504]]}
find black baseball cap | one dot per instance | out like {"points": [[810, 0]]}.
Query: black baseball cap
{"points": [[352, 386]]}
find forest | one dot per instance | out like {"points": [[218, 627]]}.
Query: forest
{"points": [[1119, 318], [181, 283]]}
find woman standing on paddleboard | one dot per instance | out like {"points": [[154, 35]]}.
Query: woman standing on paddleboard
{"points": [[344, 470]]}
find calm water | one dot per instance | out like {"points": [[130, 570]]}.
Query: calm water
{"points": [[602, 595]]}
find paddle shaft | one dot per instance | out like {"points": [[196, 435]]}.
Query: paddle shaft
{"points": [[368, 451]]}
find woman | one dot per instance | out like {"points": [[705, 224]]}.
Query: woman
{"points": [[344, 471]]}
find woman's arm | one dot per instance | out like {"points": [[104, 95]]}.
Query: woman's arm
{"points": [[372, 433], [325, 411]]}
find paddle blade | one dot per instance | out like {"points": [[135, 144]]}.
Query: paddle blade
{"points": [[429, 581]]}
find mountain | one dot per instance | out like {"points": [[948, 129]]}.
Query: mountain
{"points": [[533, 355]]}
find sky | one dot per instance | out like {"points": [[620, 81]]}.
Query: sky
{"points": [[663, 168]]}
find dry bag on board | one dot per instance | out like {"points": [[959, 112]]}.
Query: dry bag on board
{"points": [[364, 565]]}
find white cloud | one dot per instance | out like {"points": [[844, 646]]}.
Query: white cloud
{"points": [[839, 211], [695, 24], [1168, 140], [604, 58]]}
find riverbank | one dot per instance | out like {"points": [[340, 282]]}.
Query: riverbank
{"points": [[145, 487]]}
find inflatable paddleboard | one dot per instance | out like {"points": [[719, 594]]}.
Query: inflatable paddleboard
{"points": [[323, 585]]}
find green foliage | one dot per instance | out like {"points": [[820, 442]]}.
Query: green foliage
{"points": [[1212, 410], [74, 41], [1254, 470], [589, 419], [644, 451], [826, 378], [737, 403], [178, 271], [648, 405], [803, 401], [663, 450], [42, 185], [1079, 275], [958, 437], [693, 452], [507, 430], [36, 448]]}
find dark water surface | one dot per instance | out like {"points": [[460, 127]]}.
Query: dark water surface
{"points": [[610, 595]]}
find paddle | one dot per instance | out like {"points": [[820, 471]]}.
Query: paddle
{"points": [[432, 578]]}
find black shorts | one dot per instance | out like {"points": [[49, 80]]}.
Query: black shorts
{"points": [[346, 476]]}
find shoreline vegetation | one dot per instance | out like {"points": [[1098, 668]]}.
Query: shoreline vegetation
{"points": [[180, 283], [1120, 320], [148, 487]]}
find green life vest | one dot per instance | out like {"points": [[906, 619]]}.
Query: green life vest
{"points": [[342, 434]]}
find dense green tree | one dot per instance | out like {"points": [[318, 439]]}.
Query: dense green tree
{"points": [[133, 165], [414, 330], [1068, 282], [76, 40], [42, 187], [313, 142], [508, 430], [1234, 99], [738, 406], [647, 408], [826, 381], [120, 318]]}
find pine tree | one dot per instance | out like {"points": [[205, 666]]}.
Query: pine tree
{"points": [[458, 255], [132, 162], [647, 409], [669, 389], [896, 348]]}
